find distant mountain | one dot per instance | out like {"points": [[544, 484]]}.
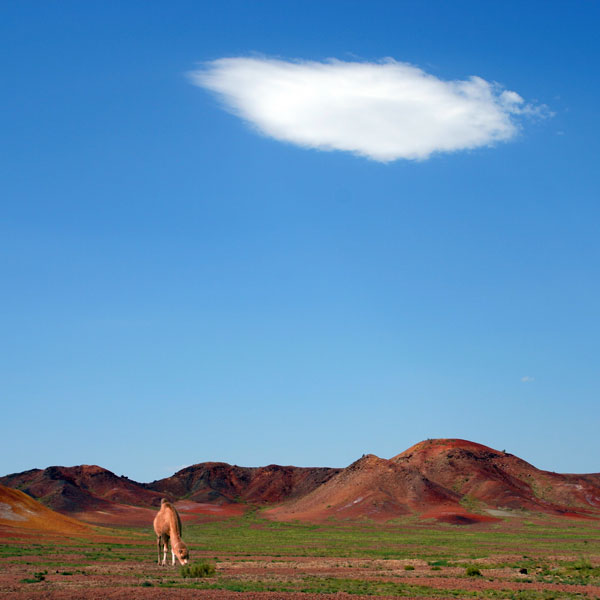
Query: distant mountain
{"points": [[221, 483], [75, 489], [448, 479], [370, 487], [452, 480], [501, 480], [89, 491]]}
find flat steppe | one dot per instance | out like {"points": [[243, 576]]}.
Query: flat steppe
{"points": [[522, 555]]}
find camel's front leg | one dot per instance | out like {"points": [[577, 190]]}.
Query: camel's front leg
{"points": [[172, 557], [165, 541]]}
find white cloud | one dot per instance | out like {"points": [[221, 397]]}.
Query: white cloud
{"points": [[527, 379], [384, 111]]}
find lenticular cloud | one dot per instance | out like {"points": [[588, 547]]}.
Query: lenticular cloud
{"points": [[384, 111]]}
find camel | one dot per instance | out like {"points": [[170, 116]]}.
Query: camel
{"points": [[167, 526]]}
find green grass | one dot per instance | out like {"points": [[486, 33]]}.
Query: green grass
{"points": [[252, 536], [37, 577], [334, 585], [201, 569], [362, 547]]}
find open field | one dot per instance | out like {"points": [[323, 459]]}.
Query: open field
{"points": [[520, 557]]}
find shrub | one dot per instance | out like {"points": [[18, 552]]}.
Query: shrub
{"points": [[201, 569], [472, 571], [583, 564], [409, 568], [37, 577]]}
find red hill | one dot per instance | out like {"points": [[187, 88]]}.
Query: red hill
{"points": [[448, 479], [500, 480], [223, 483], [86, 487], [370, 487]]}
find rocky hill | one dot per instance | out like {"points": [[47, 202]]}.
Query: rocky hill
{"points": [[221, 483], [448, 479], [370, 487], [99, 496], [85, 487], [501, 480]]}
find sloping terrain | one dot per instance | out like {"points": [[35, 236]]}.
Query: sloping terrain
{"points": [[223, 483], [370, 487], [375, 488], [98, 496], [85, 487], [20, 511], [451, 480], [495, 479]]}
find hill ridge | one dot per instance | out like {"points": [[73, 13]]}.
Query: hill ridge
{"points": [[439, 478]]}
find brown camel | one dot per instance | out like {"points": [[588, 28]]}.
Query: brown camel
{"points": [[167, 526]]}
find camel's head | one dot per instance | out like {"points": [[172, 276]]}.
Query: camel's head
{"points": [[182, 553]]}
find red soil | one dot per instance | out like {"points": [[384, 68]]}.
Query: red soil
{"points": [[110, 579], [189, 510], [137, 516], [456, 515], [437, 446]]}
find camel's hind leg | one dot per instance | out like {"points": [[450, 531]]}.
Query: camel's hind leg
{"points": [[158, 539]]}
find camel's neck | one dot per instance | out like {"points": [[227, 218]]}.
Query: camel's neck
{"points": [[174, 525], [175, 541]]}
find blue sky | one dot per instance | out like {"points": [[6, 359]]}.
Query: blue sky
{"points": [[180, 285]]}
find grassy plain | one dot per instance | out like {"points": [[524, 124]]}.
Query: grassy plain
{"points": [[529, 557]]}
